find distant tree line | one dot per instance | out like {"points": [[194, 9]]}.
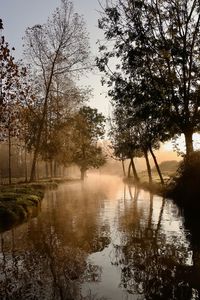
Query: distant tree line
{"points": [[43, 111]]}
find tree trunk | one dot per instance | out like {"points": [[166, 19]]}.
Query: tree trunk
{"points": [[63, 171], [46, 169], [36, 152], [157, 166], [51, 168], [188, 142], [9, 158], [37, 170], [55, 169], [148, 166], [123, 167], [129, 170], [33, 168], [25, 162], [83, 173], [134, 170], [41, 125]]}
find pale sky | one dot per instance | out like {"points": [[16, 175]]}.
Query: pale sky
{"points": [[17, 15]]}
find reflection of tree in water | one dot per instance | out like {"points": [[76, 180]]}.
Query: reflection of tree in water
{"points": [[92, 273], [45, 258], [45, 270], [150, 264], [192, 223]]}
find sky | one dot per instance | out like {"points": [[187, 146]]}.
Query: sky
{"points": [[17, 15]]}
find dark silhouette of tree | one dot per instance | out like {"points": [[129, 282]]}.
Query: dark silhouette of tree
{"points": [[123, 140], [155, 50], [135, 134]]}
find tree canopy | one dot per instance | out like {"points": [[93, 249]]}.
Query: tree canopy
{"points": [[154, 46], [88, 129], [57, 49]]}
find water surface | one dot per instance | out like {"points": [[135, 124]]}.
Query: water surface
{"points": [[100, 240]]}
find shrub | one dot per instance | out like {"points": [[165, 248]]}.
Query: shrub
{"points": [[186, 185]]}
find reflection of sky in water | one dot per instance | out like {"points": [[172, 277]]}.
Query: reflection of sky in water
{"points": [[171, 226], [127, 239]]}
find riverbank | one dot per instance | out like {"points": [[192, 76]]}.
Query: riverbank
{"points": [[22, 201], [154, 187], [184, 194], [182, 186]]}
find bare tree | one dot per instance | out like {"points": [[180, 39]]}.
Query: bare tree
{"points": [[58, 47]]}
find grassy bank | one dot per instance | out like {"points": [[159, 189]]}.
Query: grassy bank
{"points": [[21, 201], [182, 186], [155, 187]]}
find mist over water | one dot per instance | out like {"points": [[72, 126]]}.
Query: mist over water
{"points": [[100, 239]]}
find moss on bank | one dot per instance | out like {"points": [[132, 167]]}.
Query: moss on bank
{"points": [[20, 202], [17, 204]]}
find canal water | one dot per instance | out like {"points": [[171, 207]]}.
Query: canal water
{"points": [[100, 239]]}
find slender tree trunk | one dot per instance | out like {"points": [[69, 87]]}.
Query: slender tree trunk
{"points": [[35, 155], [129, 170], [157, 166], [9, 157], [25, 162], [55, 169], [51, 168], [148, 166], [123, 167], [134, 170], [63, 171], [37, 170], [188, 142], [83, 173], [46, 169], [42, 121]]}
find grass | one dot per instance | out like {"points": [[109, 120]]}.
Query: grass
{"points": [[18, 202], [144, 176], [155, 187]]}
